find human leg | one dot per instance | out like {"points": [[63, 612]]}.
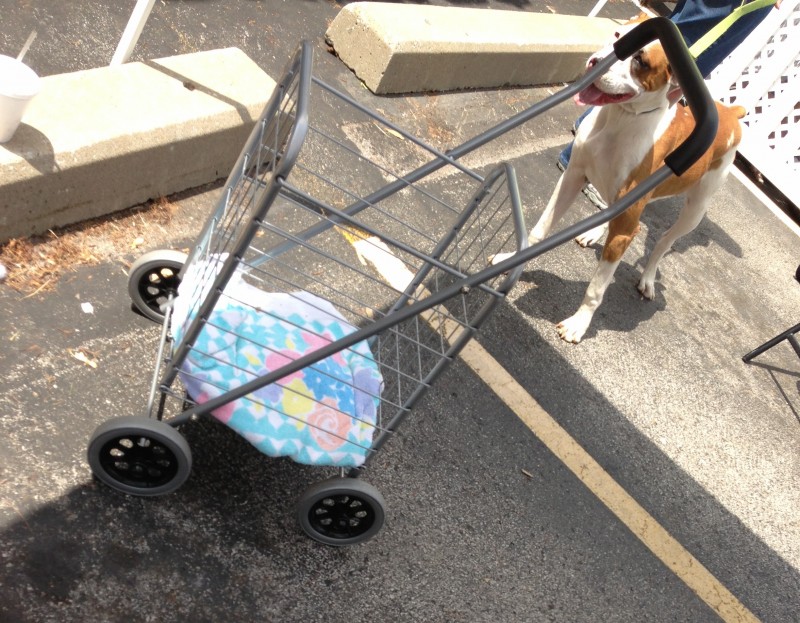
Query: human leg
{"points": [[566, 153], [694, 18]]}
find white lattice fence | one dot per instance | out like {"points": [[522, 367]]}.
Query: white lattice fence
{"points": [[762, 76]]}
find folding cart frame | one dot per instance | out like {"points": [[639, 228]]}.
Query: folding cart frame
{"points": [[393, 244]]}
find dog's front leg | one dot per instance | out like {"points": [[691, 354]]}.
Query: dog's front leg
{"points": [[621, 231], [564, 195], [573, 328]]}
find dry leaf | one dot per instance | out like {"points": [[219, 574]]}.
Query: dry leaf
{"points": [[84, 357], [386, 130], [35, 264]]}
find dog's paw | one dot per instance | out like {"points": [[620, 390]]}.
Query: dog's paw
{"points": [[647, 287], [496, 259], [591, 237], [572, 329]]}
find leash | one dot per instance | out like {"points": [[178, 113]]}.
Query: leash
{"points": [[702, 44]]}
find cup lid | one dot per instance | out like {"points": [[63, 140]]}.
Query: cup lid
{"points": [[17, 80]]}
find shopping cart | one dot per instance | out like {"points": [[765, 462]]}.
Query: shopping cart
{"points": [[342, 270]]}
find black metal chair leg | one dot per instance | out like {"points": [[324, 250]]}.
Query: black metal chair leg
{"points": [[786, 335]]}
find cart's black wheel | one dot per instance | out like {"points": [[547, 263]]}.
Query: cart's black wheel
{"points": [[140, 456], [153, 278], [341, 511]]}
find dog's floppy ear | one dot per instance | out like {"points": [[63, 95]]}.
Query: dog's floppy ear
{"points": [[673, 79], [629, 24], [638, 19]]}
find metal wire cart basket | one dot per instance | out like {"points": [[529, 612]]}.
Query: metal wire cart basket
{"points": [[323, 297]]}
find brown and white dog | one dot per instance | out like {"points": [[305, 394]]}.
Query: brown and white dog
{"points": [[626, 137]]}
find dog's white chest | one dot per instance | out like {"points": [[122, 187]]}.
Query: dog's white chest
{"points": [[615, 143]]}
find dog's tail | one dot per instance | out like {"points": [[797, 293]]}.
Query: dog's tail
{"points": [[739, 111]]}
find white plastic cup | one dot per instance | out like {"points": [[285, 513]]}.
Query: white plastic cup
{"points": [[18, 86]]}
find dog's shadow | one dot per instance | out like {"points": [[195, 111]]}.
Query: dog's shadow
{"points": [[659, 216], [623, 309]]}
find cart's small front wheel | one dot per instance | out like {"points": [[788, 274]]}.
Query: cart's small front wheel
{"points": [[153, 279], [140, 456], [341, 511]]}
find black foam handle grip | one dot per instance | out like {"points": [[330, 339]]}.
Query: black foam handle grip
{"points": [[691, 82]]}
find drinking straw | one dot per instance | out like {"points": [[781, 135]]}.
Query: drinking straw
{"points": [[27, 45]]}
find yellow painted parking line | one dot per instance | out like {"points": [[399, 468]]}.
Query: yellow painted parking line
{"points": [[605, 488], [654, 536]]}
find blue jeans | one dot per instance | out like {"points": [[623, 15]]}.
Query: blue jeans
{"points": [[694, 18], [566, 154]]}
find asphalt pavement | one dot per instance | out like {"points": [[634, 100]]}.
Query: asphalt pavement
{"points": [[485, 520]]}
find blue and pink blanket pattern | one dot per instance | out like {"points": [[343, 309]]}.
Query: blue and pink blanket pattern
{"points": [[323, 414]]}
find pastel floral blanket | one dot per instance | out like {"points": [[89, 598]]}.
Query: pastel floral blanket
{"points": [[323, 414]]}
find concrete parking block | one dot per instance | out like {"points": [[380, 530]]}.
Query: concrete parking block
{"points": [[404, 48], [96, 141]]}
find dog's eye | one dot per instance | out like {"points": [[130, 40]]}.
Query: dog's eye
{"points": [[639, 60]]}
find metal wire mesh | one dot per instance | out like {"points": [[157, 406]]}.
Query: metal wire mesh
{"points": [[362, 217]]}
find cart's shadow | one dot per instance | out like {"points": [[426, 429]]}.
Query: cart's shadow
{"points": [[236, 499], [227, 546]]}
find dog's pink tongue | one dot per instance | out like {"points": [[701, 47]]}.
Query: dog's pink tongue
{"points": [[590, 96]]}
